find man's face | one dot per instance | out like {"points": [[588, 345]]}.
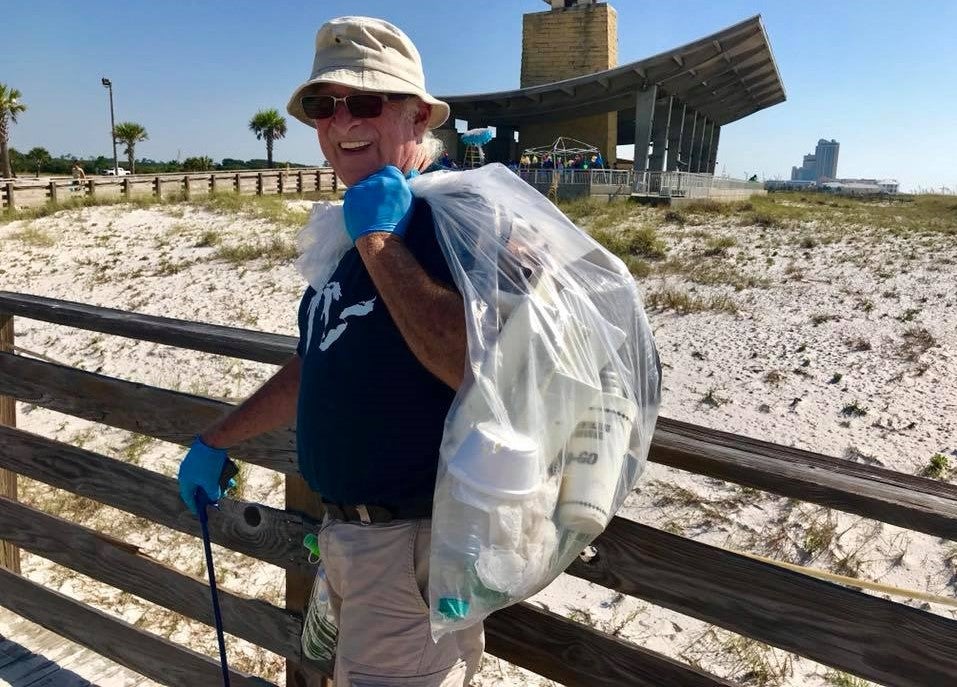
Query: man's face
{"points": [[357, 147]]}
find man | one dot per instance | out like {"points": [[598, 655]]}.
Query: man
{"points": [[78, 176], [382, 349]]}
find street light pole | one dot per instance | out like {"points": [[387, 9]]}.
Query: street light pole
{"points": [[116, 164]]}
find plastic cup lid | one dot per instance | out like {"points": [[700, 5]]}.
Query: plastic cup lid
{"points": [[498, 461]]}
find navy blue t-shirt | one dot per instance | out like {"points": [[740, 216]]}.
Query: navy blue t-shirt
{"points": [[370, 416]]}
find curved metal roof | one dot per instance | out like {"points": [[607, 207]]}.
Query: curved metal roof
{"points": [[725, 76]]}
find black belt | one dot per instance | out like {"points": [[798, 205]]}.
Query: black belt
{"points": [[369, 514]]}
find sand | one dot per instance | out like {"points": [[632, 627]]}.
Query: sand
{"points": [[876, 309]]}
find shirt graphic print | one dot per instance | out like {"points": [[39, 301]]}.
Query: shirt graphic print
{"points": [[324, 301]]}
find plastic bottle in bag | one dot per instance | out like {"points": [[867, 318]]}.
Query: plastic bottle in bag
{"points": [[593, 459], [319, 630], [492, 473]]}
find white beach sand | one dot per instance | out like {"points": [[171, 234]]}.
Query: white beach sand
{"points": [[864, 287]]}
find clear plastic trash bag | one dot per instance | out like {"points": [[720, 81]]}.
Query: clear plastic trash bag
{"points": [[320, 633], [551, 426]]}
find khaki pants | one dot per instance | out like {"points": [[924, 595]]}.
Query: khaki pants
{"points": [[378, 589]]}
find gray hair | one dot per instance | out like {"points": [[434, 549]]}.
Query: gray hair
{"points": [[430, 146]]}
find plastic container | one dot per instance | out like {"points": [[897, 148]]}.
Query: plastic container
{"points": [[319, 630], [593, 460]]}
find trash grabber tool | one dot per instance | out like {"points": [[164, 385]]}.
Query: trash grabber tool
{"points": [[229, 470]]}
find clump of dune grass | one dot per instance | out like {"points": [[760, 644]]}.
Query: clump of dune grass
{"points": [[275, 249], [916, 341], [684, 303], [33, 236], [642, 242]]}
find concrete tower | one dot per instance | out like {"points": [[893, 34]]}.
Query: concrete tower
{"points": [[572, 38]]}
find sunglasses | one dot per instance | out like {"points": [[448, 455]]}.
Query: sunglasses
{"points": [[361, 105]]}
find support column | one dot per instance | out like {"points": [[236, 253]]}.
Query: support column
{"points": [[659, 134], [713, 153], [687, 137], [706, 148], [701, 160], [644, 121], [695, 157], [674, 134]]}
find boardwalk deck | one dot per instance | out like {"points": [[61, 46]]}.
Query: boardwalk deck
{"points": [[31, 656]]}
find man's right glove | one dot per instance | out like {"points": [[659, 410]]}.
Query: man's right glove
{"points": [[206, 468]]}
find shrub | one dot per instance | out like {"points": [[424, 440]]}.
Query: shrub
{"points": [[643, 242], [917, 341], [938, 467], [674, 216], [639, 268], [684, 303], [853, 410], [764, 219], [208, 239], [276, 249], [719, 245]]}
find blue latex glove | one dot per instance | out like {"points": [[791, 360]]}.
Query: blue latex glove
{"points": [[380, 202], [202, 468]]}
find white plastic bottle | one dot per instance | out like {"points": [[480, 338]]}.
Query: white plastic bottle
{"points": [[593, 459]]}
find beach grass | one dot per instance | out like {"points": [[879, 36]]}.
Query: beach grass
{"points": [[273, 208]]}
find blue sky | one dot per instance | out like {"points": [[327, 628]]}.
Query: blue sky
{"points": [[879, 76]]}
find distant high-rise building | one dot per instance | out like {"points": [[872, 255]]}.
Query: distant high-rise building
{"points": [[826, 156], [821, 165]]}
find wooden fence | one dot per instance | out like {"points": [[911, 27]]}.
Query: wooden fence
{"points": [[880, 640], [27, 193]]}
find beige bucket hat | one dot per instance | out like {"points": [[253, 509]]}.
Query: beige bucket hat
{"points": [[371, 55]]}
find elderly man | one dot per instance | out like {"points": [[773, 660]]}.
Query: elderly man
{"points": [[382, 350]]}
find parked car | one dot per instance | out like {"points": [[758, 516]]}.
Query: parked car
{"points": [[119, 172]]}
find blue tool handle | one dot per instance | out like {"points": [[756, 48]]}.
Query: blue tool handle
{"points": [[199, 496]]}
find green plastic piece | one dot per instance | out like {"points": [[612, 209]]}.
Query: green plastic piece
{"points": [[311, 542], [453, 609]]}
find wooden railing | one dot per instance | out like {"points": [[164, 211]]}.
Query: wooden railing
{"points": [[883, 641], [26, 193]]}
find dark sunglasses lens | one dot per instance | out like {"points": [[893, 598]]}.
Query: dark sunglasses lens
{"points": [[364, 105], [318, 106]]}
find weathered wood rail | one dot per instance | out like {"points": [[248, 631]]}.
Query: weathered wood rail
{"points": [[26, 193], [883, 641]]}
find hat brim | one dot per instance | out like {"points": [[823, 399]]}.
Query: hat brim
{"points": [[365, 80]]}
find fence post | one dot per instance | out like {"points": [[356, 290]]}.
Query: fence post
{"points": [[282, 186], [126, 187], [259, 183], [187, 187], [213, 186], [335, 182], [91, 187], [239, 184], [302, 499], [157, 191], [9, 554], [299, 182], [53, 192], [10, 204]]}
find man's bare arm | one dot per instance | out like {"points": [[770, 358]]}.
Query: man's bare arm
{"points": [[273, 405], [430, 315]]}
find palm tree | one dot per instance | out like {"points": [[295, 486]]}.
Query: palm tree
{"points": [[129, 134], [39, 157], [270, 125], [10, 107]]}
